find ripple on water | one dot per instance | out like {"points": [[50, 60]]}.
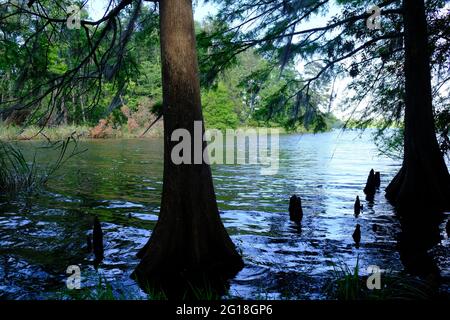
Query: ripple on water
{"points": [[121, 182]]}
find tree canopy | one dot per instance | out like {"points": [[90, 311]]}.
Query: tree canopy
{"points": [[52, 74], [334, 37]]}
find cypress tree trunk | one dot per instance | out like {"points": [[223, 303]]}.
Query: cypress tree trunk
{"points": [[423, 182], [189, 242]]}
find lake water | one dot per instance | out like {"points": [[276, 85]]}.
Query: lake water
{"points": [[120, 181]]}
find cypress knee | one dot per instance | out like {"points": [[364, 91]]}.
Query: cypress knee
{"points": [[97, 238], [370, 187], [295, 209], [357, 207], [377, 179], [357, 235]]}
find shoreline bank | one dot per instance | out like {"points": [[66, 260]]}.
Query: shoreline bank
{"points": [[35, 133]]}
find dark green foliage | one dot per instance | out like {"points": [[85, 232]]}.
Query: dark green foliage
{"points": [[218, 109], [349, 284], [54, 78]]}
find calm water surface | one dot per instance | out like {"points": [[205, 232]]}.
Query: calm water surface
{"points": [[120, 181]]}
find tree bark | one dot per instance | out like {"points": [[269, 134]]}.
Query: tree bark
{"points": [[423, 182], [189, 243]]}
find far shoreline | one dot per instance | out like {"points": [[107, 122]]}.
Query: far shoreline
{"points": [[35, 133]]}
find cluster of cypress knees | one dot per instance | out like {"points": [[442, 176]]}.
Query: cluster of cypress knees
{"points": [[95, 242], [372, 185]]}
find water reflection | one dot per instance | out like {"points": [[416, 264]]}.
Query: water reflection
{"points": [[416, 238], [120, 182]]}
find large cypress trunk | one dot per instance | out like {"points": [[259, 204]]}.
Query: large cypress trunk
{"points": [[423, 182], [189, 242]]}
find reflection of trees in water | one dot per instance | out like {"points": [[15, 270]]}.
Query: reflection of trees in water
{"points": [[416, 238]]}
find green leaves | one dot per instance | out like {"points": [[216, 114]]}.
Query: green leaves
{"points": [[218, 109]]}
